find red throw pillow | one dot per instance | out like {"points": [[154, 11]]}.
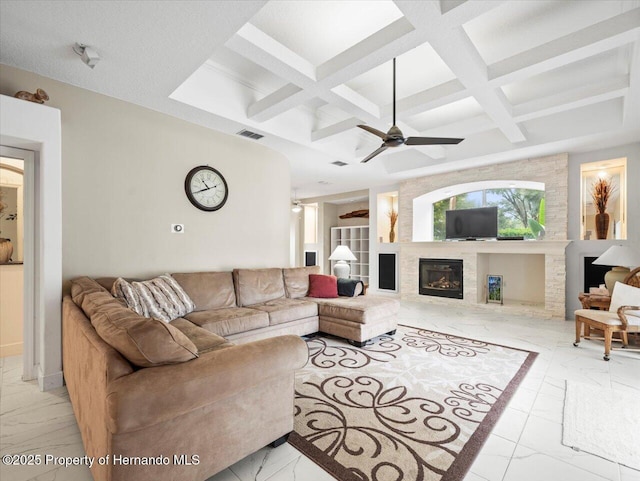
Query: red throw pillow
{"points": [[323, 286]]}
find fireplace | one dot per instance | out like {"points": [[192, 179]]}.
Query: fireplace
{"points": [[441, 278]]}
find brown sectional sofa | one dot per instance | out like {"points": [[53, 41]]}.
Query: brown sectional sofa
{"points": [[236, 393]]}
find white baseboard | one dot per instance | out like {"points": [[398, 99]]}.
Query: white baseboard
{"points": [[50, 381]]}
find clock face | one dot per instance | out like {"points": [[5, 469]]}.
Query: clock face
{"points": [[206, 188]]}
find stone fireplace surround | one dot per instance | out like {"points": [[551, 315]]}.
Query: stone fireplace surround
{"points": [[540, 283]]}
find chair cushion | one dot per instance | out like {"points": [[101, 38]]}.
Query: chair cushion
{"points": [[208, 290], [296, 280], [231, 320], [624, 295], [161, 297], [323, 286], [255, 286], [606, 317], [286, 310]]}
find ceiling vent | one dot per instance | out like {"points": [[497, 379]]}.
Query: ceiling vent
{"points": [[339, 163], [249, 134]]}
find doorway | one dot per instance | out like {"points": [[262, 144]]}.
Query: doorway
{"points": [[17, 279]]}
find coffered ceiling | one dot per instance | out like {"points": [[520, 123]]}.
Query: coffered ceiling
{"points": [[516, 79]]}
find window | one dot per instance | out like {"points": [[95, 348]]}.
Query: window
{"points": [[520, 211]]}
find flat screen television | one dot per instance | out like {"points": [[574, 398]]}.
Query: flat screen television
{"points": [[472, 223]]}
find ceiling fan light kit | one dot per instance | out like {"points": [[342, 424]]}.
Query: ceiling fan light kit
{"points": [[394, 137]]}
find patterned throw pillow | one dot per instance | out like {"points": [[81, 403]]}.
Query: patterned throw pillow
{"points": [[161, 297]]}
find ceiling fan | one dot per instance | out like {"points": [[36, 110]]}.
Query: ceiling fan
{"points": [[394, 137]]}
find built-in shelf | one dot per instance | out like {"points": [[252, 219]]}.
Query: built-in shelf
{"points": [[356, 238]]}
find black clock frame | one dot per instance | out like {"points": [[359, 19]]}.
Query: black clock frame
{"points": [[187, 188]]}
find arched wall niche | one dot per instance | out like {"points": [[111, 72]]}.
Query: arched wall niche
{"points": [[423, 204]]}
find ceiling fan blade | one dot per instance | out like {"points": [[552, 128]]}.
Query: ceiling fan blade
{"points": [[373, 154], [431, 141], [380, 134]]}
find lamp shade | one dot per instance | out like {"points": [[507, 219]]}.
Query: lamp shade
{"points": [[621, 256], [342, 253]]}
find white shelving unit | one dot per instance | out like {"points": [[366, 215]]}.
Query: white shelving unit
{"points": [[355, 238]]}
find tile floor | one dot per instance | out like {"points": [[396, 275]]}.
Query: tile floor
{"points": [[524, 446]]}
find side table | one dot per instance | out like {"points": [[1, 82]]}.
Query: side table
{"points": [[597, 301]]}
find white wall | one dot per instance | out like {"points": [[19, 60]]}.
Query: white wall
{"points": [[123, 185], [578, 249]]}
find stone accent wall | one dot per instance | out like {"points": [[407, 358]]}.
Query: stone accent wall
{"points": [[553, 171]]}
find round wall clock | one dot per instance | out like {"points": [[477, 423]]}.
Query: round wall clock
{"points": [[206, 188]]}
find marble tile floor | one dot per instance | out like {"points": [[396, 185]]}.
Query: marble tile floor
{"points": [[525, 445]]}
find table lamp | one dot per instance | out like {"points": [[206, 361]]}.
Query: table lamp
{"points": [[623, 258], [342, 254]]}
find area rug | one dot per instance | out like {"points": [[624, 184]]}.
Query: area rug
{"points": [[416, 406], [603, 422]]}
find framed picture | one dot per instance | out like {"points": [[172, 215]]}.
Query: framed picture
{"points": [[494, 289]]}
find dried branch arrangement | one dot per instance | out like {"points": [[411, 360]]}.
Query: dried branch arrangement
{"points": [[601, 191], [393, 217]]}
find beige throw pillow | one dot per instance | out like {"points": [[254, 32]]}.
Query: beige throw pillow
{"points": [[161, 298]]}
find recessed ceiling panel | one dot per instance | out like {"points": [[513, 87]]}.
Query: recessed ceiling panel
{"points": [[517, 26], [416, 70], [590, 71], [320, 30], [447, 114]]}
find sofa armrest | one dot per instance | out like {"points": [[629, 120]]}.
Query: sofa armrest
{"points": [[153, 395]]}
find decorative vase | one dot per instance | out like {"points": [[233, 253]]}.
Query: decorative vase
{"points": [[602, 225], [392, 235], [6, 250]]}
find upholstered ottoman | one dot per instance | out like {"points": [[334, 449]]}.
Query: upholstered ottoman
{"points": [[358, 319]]}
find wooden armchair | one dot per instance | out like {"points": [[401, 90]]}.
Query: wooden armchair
{"points": [[609, 322]]}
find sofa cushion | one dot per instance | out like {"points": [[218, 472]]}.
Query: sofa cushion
{"points": [[231, 320], [255, 286], [350, 287], [296, 280], [144, 342], [204, 340], [160, 297], [361, 309], [323, 286], [286, 310], [208, 290]]}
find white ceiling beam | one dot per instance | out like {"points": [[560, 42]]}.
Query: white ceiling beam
{"points": [[432, 98], [589, 41], [456, 50], [279, 101], [380, 47], [337, 128], [631, 108], [572, 99], [462, 128], [459, 12], [357, 100]]}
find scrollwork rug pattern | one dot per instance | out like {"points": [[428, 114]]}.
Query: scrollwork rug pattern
{"points": [[416, 406]]}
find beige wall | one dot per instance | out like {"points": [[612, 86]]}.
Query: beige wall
{"points": [[11, 309], [123, 185]]}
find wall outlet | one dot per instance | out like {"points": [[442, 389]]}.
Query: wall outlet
{"points": [[177, 228]]}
